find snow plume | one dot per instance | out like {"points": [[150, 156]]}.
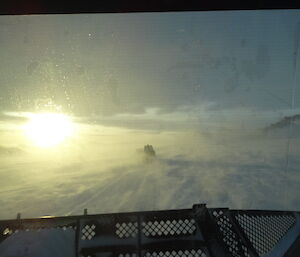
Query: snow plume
{"points": [[106, 173]]}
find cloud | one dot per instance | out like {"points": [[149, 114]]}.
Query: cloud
{"points": [[10, 151], [104, 75]]}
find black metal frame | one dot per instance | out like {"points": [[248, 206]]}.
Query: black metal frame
{"points": [[170, 232], [8, 7]]}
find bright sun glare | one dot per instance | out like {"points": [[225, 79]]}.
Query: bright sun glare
{"points": [[48, 129]]}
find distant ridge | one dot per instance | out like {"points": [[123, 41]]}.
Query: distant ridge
{"points": [[283, 123]]}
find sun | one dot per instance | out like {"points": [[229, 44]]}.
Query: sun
{"points": [[48, 129]]}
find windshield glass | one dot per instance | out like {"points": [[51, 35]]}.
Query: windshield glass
{"points": [[148, 111]]}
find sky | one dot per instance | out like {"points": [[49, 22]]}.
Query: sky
{"points": [[199, 86]]}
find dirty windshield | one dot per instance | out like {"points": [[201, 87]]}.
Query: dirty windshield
{"points": [[149, 111]]}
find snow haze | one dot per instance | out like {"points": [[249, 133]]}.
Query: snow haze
{"points": [[212, 92]]}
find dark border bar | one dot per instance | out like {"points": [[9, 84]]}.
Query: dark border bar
{"points": [[15, 7]]}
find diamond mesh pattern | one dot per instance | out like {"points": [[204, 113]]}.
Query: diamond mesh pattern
{"points": [[68, 227], [264, 231], [230, 238], [127, 255], [125, 230], [177, 253], [9, 231], [169, 227], [88, 232]]}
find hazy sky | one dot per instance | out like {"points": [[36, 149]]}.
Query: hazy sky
{"points": [[214, 66], [196, 85]]}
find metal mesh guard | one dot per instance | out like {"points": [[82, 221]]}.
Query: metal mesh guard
{"points": [[125, 230], [173, 233], [88, 232], [169, 227], [177, 253], [127, 255], [230, 238], [264, 231]]}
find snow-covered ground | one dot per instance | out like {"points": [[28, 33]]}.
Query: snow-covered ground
{"points": [[107, 174], [235, 169]]}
